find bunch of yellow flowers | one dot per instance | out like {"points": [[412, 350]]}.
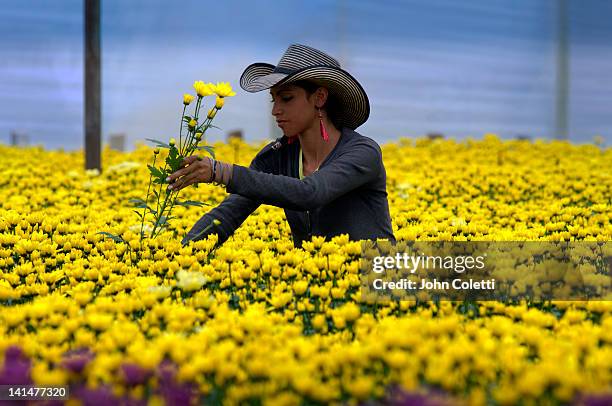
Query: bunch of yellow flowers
{"points": [[163, 199]]}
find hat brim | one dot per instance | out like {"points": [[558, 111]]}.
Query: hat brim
{"points": [[354, 102]]}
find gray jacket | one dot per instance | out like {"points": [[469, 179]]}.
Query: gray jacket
{"points": [[346, 195]]}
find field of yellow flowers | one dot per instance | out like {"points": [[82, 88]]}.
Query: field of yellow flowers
{"points": [[257, 321]]}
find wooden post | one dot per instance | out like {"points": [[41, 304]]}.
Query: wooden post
{"points": [[92, 85]]}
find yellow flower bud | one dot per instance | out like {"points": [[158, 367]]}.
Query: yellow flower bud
{"points": [[172, 142], [156, 151], [216, 222], [211, 113], [319, 321], [299, 287], [192, 123], [220, 102], [187, 98], [198, 136]]}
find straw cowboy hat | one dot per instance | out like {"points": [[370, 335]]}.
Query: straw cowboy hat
{"points": [[301, 62]]}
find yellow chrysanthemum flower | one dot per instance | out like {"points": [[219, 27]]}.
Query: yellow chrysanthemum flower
{"points": [[223, 89], [203, 89]]}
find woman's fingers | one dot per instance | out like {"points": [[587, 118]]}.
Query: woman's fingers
{"points": [[184, 171], [198, 170], [185, 181]]}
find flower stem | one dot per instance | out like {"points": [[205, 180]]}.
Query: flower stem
{"points": [[146, 203], [159, 215], [181, 126]]}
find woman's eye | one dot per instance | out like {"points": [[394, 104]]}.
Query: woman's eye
{"points": [[285, 99]]}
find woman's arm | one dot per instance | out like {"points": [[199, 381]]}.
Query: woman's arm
{"points": [[231, 212], [355, 167]]}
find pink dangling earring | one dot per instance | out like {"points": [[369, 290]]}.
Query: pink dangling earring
{"points": [[323, 130]]}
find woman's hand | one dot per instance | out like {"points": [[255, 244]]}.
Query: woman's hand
{"points": [[198, 170]]}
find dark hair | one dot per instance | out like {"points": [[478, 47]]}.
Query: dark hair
{"points": [[331, 106]]}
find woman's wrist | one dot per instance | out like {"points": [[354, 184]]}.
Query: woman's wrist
{"points": [[221, 172]]}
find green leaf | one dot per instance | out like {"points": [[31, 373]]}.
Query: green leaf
{"points": [[114, 237], [188, 203], [138, 213], [159, 143], [136, 201], [187, 119], [207, 148], [159, 175], [174, 159], [155, 171], [145, 206]]}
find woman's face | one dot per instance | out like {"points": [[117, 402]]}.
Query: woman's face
{"points": [[292, 109]]}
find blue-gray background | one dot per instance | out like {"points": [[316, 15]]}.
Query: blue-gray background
{"points": [[462, 68]]}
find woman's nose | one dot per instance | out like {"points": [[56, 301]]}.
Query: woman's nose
{"points": [[275, 110]]}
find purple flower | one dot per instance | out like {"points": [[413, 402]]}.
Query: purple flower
{"points": [[134, 374], [166, 370], [54, 402], [595, 400], [173, 393], [16, 368], [176, 394], [102, 396], [396, 396], [76, 360], [128, 401]]}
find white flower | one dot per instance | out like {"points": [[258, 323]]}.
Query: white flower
{"points": [[458, 221], [146, 229], [189, 281], [404, 186], [160, 291], [124, 166]]}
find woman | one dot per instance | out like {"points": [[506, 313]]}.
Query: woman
{"points": [[331, 181]]}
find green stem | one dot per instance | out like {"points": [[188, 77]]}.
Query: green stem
{"points": [[182, 151], [181, 126], [160, 214], [172, 201], [192, 146], [146, 203]]}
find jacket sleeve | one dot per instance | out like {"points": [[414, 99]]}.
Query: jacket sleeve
{"points": [[231, 212], [358, 165]]}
